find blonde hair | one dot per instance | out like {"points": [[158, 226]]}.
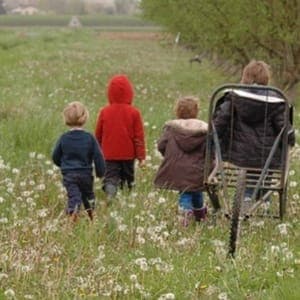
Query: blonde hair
{"points": [[186, 108], [257, 71], [75, 114]]}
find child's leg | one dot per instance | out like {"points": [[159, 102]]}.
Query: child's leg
{"points": [[112, 177], [199, 210], [88, 195], [185, 208], [70, 182], [127, 173]]}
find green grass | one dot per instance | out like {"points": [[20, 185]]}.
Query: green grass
{"points": [[135, 249]]}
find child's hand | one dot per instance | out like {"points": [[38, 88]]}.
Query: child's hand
{"points": [[142, 163]]}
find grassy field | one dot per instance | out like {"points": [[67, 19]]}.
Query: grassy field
{"points": [[135, 249]]}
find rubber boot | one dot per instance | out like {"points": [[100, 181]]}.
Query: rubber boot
{"points": [[200, 214]]}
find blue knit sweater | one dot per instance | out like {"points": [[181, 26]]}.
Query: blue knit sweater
{"points": [[76, 150]]}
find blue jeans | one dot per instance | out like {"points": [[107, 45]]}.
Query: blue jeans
{"points": [[79, 186], [190, 200]]}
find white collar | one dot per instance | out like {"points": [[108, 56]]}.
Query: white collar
{"points": [[263, 98]]}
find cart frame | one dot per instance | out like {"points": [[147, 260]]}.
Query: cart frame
{"points": [[219, 175]]}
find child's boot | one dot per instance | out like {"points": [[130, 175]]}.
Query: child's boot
{"points": [[110, 190], [200, 213], [74, 218], [90, 213]]}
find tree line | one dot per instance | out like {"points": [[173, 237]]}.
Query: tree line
{"points": [[237, 31]]}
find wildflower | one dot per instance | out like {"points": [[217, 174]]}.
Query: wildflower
{"points": [[293, 183], [275, 249], [282, 229], [3, 220], [140, 230], [222, 296], [10, 293], [50, 172], [15, 171], [41, 187], [3, 276], [168, 296], [43, 213], [133, 278], [122, 227], [1, 199], [141, 240], [32, 154], [279, 274], [40, 156], [161, 200]]}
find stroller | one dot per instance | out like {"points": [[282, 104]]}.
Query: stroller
{"points": [[262, 176]]}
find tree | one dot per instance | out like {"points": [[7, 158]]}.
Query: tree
{"points": [[2, 10], [237, 30]]}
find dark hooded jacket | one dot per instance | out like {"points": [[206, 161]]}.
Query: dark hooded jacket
{"points": [[247, 124], [182, 145], [119, 128]]}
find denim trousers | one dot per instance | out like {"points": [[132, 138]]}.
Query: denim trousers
{"points": [[79, 186], [190, 200]]}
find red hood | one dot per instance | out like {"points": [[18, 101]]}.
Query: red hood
{"points": [[120, 90]]}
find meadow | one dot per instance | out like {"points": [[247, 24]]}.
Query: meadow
{"points": [[135, 249]]}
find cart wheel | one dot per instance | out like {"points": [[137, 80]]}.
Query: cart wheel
{"points": [[282, 202], [236, 210]]}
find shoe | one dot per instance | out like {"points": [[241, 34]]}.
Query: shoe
{"points": [[90, 213], [74, 218], [110, 190]]}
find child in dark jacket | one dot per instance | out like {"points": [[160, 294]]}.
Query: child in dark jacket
{"points": [[75, 152], [182, 145], [255, 123], [120, 132]]}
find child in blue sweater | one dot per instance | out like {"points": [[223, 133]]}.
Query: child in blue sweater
{"points": [[75, 152]]}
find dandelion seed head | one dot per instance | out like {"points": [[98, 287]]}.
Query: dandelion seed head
{"points": [[293, 183], [3, 220], [3, 276], [133, 278], [222, 296], [9, 293], [283, 230]]}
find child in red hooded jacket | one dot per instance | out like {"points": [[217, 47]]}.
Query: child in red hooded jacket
{"points": [[120, 132]]}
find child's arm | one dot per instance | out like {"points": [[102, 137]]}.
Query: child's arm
{"points": [[278, 122], [162, 142], [57, 153], [99, 128], [98, 159], [139, 138], [222, 116]]}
